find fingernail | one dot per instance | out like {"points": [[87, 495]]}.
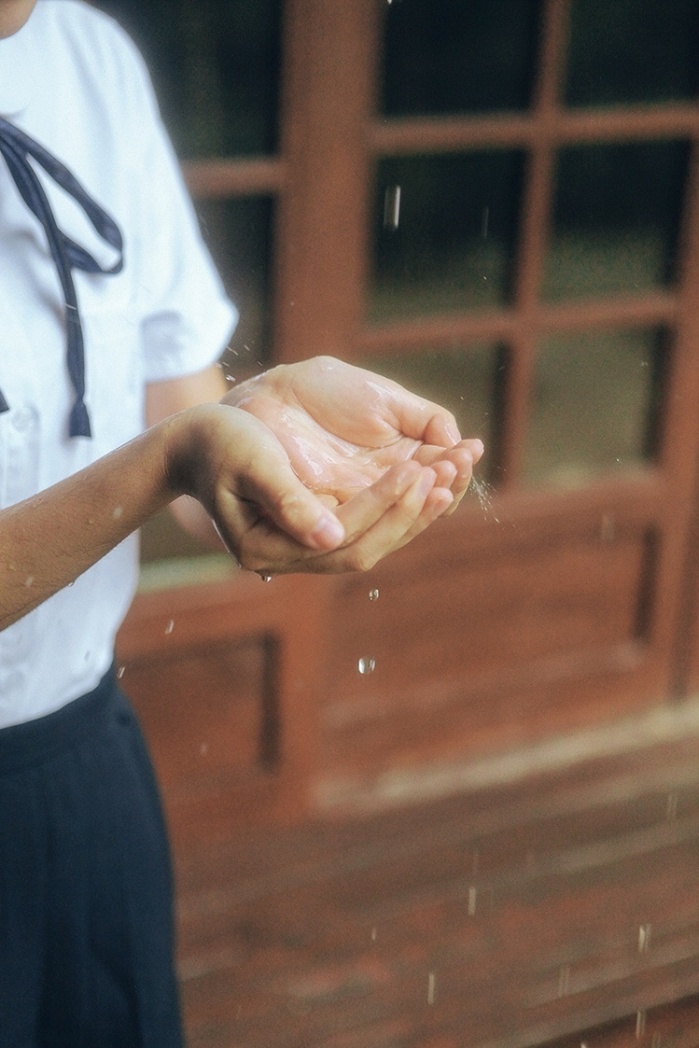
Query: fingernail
{"points": [[328, 532]]}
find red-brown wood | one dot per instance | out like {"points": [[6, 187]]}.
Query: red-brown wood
{"points": [[501, 918], [225, 679]]}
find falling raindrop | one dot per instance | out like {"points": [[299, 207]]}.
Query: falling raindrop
{"points": [[391, 208], [644, 938], [120, 672], [366, 665], [608, 528]]}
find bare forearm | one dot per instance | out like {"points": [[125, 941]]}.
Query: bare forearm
{"points": [[48, 540]]}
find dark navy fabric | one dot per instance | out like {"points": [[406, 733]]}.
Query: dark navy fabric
{"points": [[86, 926]]}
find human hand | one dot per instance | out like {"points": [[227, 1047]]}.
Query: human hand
{"points": [[343, 427], [267, 516]]}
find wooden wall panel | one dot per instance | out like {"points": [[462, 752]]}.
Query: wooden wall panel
{"points": [[481, 649], [225, 679]]}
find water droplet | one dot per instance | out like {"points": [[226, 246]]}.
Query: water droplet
{"points": [[373, 934], [120, 672], [170, 626], [373, 594], [366, 665], [29, 581], [391, 208], [483, 492], [264, 576], [608, 527], [430, 988], [564, 980], [117, 512], [672, 806], [640, 1025], [644, 938], [472, 901]]}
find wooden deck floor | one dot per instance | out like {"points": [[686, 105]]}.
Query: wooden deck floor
{"points": [[563, 908]]}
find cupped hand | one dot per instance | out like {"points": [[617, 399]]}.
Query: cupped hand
{"points": [[343, 427], [270, 519]]}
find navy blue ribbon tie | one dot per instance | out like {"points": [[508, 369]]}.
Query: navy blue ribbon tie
{"points": [[17, 147]]}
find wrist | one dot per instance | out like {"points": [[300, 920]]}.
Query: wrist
{"points": [[184, 449]]}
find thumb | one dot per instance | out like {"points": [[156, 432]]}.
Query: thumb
{"points": [[284, 500]]}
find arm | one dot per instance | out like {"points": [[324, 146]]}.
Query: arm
{"points": [[234, 465]]}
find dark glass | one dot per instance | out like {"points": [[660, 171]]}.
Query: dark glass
{"points": [[594, 405], [215, 64], [616, 219], [449, 246], [463, 379], [239, 234], [458, 56], [632, 51]]}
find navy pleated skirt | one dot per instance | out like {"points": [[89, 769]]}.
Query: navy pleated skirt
{"points": [[86, 929]]}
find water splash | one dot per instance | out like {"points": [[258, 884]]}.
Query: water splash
{"points": [[484, 493]]}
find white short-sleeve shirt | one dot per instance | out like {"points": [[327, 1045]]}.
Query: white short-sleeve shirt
{"points": [[73, 81]]}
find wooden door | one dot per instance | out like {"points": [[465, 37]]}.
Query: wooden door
{"points": [[497, 203]]}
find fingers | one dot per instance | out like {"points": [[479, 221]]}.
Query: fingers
{"points": [[457, 462], [376, 521], [248, 477]]}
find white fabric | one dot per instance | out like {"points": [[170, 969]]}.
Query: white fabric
{"points": [[72, 80]]}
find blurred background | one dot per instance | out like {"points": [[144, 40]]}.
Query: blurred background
{"points": [[454, 801]]}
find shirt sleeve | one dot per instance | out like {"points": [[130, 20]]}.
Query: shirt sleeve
{"points": [[186, 318]]}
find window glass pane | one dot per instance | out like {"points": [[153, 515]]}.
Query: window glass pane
{"points": [[446, 57], [631, 51], [238, 233], [448, 246], [616, 218], [463, 379], [215, 64], [594, 405]]}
